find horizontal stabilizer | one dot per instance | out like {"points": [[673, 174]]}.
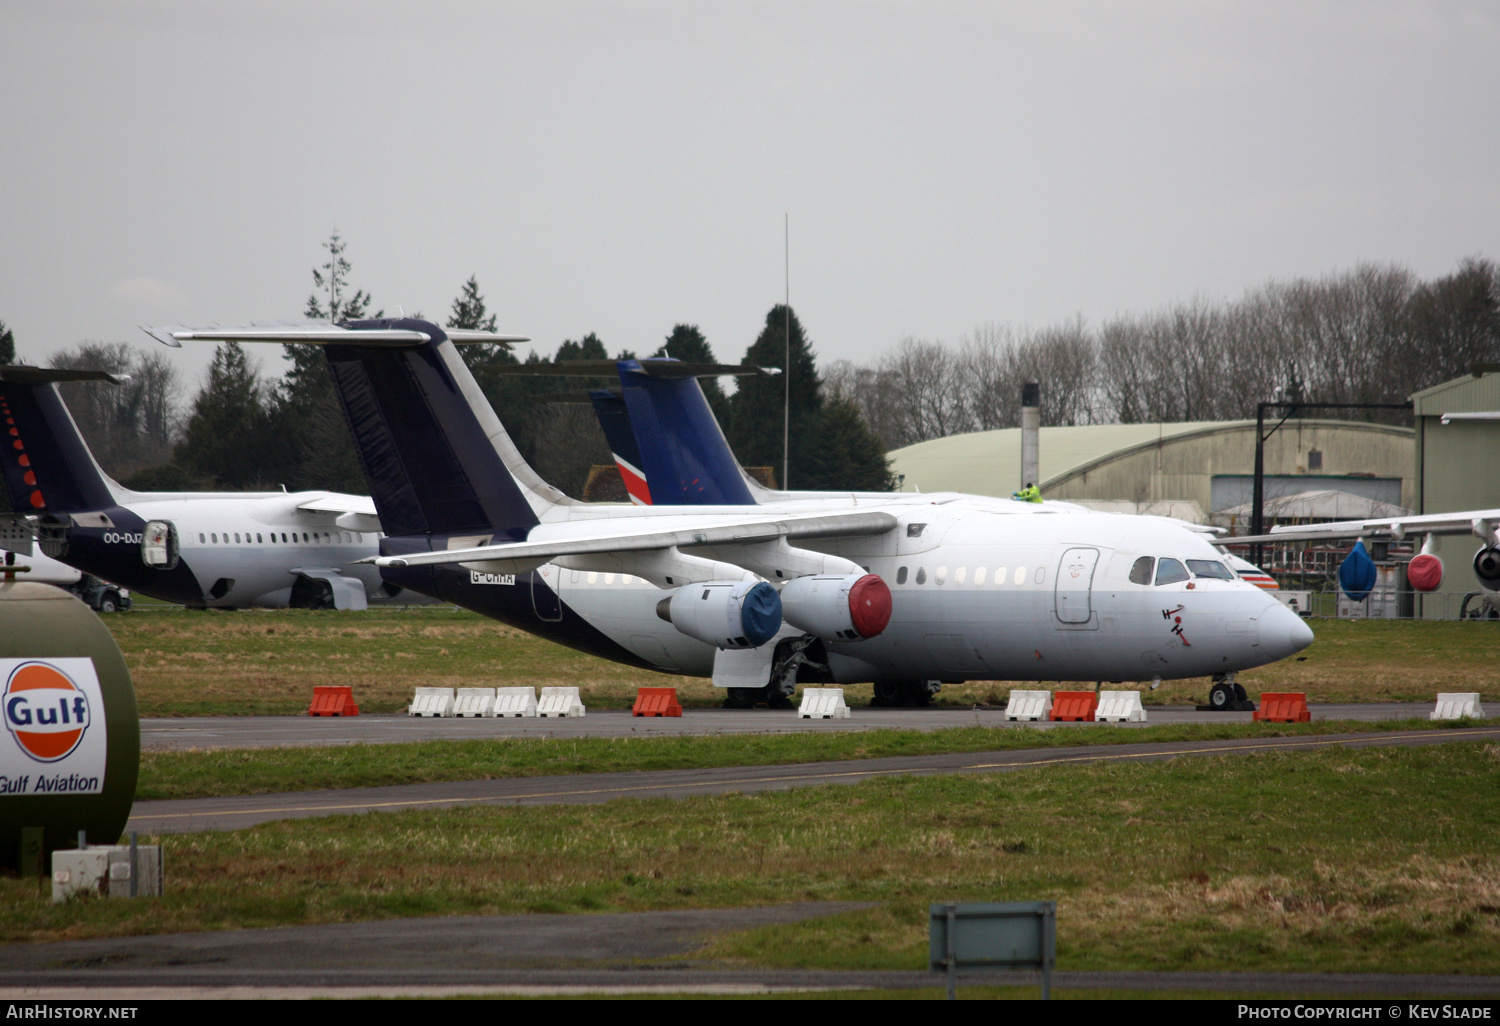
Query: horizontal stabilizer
{"points": [[43, 375], [324, 335], [609, 368], [579, 398]]}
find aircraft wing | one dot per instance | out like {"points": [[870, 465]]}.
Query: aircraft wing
{"points": [[355, 512], [1481, 523], [508, 558]]}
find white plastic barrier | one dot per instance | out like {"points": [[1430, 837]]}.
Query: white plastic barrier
{"points": [[1455, 705], [823, 704], [474, 702], [1029, 705], [560, 702], [432, 702], [515, 701], [1120, 707]]}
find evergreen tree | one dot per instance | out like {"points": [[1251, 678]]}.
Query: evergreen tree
{"points": [[686, 343], [229, 440], [830, 449], [755, 425], [7, 345], [317, 451]]}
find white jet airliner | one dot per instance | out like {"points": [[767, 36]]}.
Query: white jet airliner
{"points": [[214, 549], [896, 589]]}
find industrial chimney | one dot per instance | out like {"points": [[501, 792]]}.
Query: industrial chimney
{"points": [[1031, 430]]}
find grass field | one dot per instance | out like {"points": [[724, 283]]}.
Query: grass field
{"points": [[228, 663], [230, 771], [1363, 860]]}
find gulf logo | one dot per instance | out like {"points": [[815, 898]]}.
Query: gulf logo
{"points": [[45, 711]]}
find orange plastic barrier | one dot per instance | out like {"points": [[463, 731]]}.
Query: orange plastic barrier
{"points": [[656, 702], [1075, 706], [333, 701], [1283, 707]]}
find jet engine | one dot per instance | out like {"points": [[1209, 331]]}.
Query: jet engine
{"points": [[1487, 567], [1424, 572], [726, 614], [839, 607]]}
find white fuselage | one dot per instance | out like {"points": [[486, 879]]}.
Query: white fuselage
{"points": [[985, 590]]}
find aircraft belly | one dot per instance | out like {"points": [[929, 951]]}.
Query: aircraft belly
{"points": [[627, 615]]}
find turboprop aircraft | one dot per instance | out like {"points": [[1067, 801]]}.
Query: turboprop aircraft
{"points": [[899, 588], [202, 549]]}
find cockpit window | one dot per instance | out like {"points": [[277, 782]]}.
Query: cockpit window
{"points": [[1210, 568], [1140, 573], [1170, 571]]}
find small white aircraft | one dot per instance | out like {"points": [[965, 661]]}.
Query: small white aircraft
{"points": [[213, 549], [903, 590]]}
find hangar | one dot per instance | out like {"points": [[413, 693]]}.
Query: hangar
{"points": [[1457, 437], [1199, 471]]}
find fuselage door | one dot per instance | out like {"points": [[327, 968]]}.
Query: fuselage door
{"points": [[159, 545], [1075, 581]]}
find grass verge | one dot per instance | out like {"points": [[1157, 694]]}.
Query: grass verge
{"points": [[224, 772], [267, 662], [1343, 860]]}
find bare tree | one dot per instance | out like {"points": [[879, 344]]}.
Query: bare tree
{"points": [[128, 427]]}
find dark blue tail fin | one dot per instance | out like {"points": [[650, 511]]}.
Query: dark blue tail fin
{"points": [[46, 463], [436, 457], [684, 454]]}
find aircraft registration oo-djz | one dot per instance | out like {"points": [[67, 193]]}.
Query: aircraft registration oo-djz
{"points": [[202, 549], [900, 588]]}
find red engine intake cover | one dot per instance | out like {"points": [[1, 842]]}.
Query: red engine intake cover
{"points": [[1425, 572], [870, 605]]}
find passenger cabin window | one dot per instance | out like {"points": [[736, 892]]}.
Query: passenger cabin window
{"points": [[941, 577], [921, 575], [1210, 568], [1140, 573], [901, 575], [1170, 571]]}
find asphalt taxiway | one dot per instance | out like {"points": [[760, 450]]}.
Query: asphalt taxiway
{"points": [[203, 732], [192, 814]]}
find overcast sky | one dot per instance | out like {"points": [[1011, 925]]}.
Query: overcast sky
{"points": [[623, 167]]}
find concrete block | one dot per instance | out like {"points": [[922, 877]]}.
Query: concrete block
{"points": [[823, 704], [1120, 707], [474, 702], [1029, 705], [432, 702], [560, 702], [103, 870], [515, 702], [1455, 705]]}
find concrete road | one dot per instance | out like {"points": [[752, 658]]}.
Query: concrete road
{"points": [[276, 731], [619, 952], [192, 814]]}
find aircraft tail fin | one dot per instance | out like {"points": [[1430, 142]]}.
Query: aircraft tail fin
{"points": [[683, 451], [614, 419], [46, 464], [436, 457]]}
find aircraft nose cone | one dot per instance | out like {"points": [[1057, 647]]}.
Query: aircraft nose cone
{"points": [[1279, 623]]}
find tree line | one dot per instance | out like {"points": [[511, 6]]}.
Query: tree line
{"points": [[1375, 334], [247, 431]]}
